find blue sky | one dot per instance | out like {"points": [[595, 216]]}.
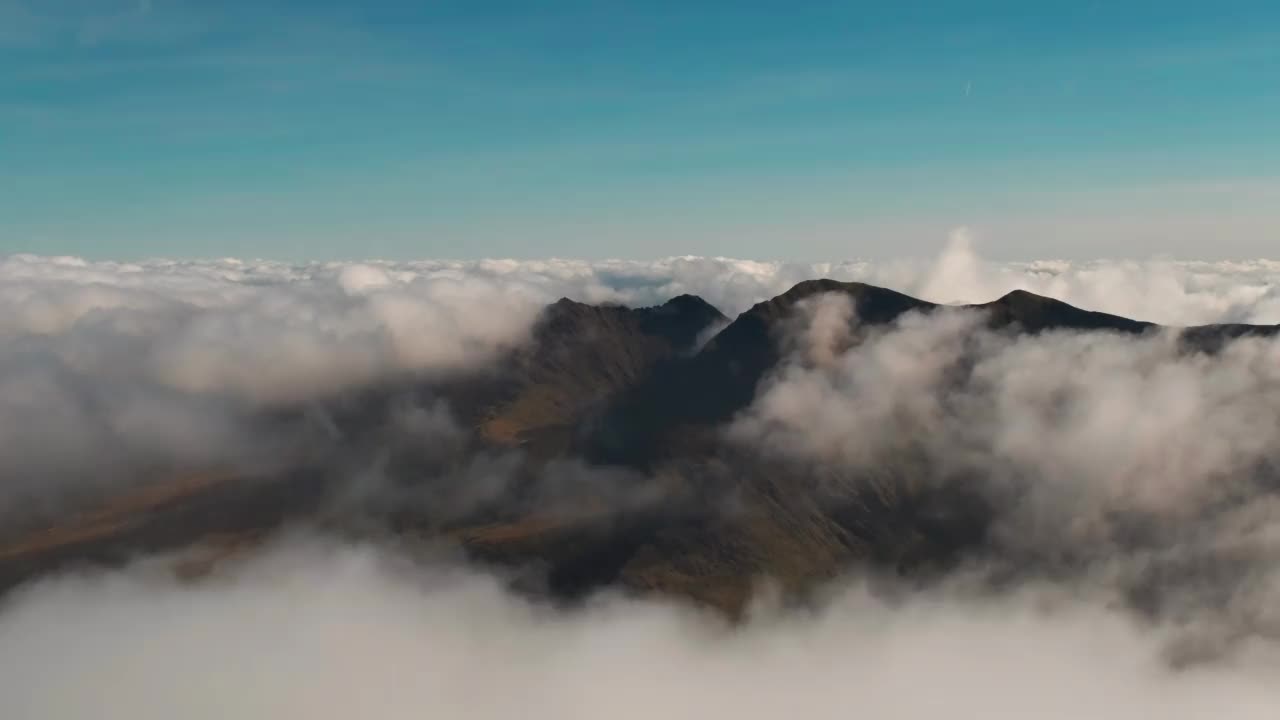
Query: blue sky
{"points": [[794, 130]]}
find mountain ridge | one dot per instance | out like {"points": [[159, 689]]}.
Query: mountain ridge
{"points": [[617, 387]]}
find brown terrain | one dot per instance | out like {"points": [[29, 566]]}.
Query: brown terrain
{"points": [[626, 389]]}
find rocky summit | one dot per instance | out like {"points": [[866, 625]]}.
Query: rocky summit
{"points": [[598, 453]]}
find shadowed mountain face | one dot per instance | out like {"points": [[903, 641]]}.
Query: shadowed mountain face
{"points": [[722, 380], [582, 355], [416, 433], [594, 453]]}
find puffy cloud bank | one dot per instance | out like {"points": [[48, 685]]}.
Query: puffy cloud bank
{"points": [[96, 355], [1137, 481], [318, 631], [1128, 466]]}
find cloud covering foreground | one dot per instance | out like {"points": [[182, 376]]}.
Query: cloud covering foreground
{"points": [[316, 631], [1131, 567]]}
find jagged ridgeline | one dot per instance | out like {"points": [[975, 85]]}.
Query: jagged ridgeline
{"points": [[594, 454]]}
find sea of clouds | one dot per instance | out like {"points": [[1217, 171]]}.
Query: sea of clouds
{"points": [[272, 331], [111, 365], [1123, 467], [1125, 463], [314, 630]]}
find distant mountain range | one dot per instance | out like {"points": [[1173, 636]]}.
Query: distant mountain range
{"points": [[599, 442]]}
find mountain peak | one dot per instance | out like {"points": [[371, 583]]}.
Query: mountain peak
{"points": [[1020, 295], [1035, 313], [687, 302], [611, 385], [872, 303], [816, 286]]}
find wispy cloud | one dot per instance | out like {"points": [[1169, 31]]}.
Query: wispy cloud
{"points": [[319, 631], [114, 358], [157, 358]]}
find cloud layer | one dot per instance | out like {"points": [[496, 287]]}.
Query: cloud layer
{"points": [[1136, 521], [318, 631], [132, 351], [1126, 465]]}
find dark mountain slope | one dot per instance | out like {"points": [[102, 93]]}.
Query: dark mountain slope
{"points": [[618, 387], [581, 355], [721, 380], [1033, 313], [578, 357]]}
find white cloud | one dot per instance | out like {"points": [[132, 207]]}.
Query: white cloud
{"points": [[1139, 417], [104, 364], [318, 631], [1126, 464], [262, 331], [135, 356]]}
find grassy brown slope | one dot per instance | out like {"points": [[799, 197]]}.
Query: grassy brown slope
{"points": [[616, 385]]}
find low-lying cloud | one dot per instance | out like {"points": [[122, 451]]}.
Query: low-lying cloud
{"points": [[95, 355], [318, 631], [1127, 465], [1130, 568]]}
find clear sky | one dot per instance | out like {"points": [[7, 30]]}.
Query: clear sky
{"points": [[804, 129]]}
